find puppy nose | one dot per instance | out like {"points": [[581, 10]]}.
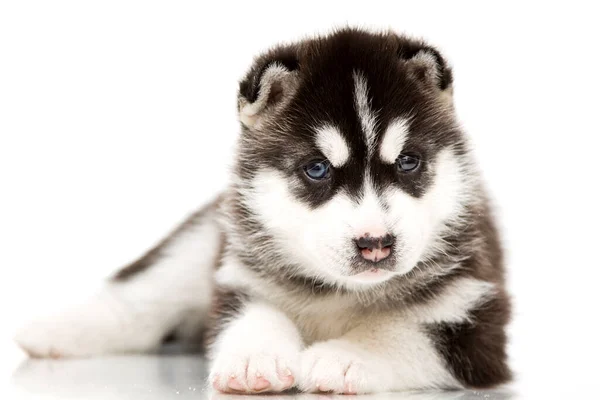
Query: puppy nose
{"points": [[375, 249]]}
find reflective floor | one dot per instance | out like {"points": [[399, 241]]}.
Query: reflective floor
{"points": [[169, 376]]}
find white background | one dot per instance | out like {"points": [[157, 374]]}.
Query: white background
{"points": [[117, 118]]}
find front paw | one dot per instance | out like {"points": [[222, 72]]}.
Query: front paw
{"points": [[254, 371], [339, 366]]}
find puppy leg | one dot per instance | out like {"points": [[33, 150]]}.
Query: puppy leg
{"points": [[385, 355], [258, 351], [456, 340], [168, 289]]}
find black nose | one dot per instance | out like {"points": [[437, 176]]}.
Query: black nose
{"points": [[375, 248]]}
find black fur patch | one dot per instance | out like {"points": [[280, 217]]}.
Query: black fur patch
{"points": [[475, 351], [326, 96]]}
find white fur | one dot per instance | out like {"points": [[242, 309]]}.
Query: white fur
{"points": [[135, 315], [363, 105], [308, 313], [356, 351], [321, 239], [391, 351], [419, 222], [384, 353], [342, 314], [369, 215], [261, 343], [234, 275], [454, 303], [393, 140], [361, 352], [333, 145]]}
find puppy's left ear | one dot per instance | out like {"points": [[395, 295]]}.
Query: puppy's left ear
{"points": [[268, 87], [428, 65]]}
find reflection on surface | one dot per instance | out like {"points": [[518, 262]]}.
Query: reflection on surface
{"points": [[118, 377], [462, 395], [160, 377]]}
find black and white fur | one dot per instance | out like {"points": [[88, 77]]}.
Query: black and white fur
{"points": [[270, 271]]}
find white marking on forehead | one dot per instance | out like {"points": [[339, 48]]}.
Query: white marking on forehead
{"points": [[393, 140], [333, 145], [365, 114]]}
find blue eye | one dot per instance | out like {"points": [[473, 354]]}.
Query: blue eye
{"points": [[317, 170], [408, 162]]}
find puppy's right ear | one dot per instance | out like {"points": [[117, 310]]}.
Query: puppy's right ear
{"points": [[267, 87]]}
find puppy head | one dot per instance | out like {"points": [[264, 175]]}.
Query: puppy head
{"points": [[351, 168]]}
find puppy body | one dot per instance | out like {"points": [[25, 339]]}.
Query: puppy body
{"points": [[353, 252]]}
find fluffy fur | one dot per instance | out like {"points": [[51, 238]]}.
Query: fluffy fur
{"points": [[293, 303]]}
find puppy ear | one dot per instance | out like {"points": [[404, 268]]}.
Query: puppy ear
{"points": [[428, 65], [267, 87]]}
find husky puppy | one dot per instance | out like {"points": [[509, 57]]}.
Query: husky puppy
{"points": [[353, 252]]}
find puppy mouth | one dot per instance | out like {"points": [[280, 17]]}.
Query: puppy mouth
{"points": [[371, 275]]}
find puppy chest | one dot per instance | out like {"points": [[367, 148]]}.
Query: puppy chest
{"points": [[324, 324]]}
